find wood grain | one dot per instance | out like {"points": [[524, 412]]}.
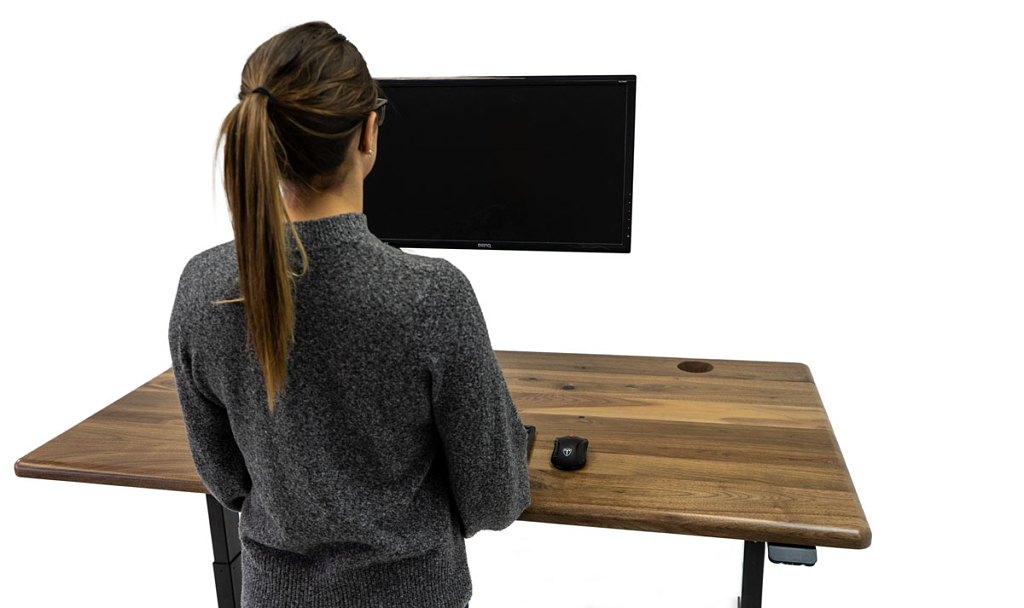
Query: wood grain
{"points": [[744, 450]]}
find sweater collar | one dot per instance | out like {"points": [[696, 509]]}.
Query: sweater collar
{"points": [[330, 230]]}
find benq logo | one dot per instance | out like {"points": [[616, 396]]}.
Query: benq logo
{"points": [[487, 245]]}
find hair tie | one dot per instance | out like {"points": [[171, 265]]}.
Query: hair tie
{"points": [[265, 92]]}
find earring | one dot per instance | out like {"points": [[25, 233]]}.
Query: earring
{"points": [[370, 153]]}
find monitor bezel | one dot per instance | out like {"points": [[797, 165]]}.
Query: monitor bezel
{"points": [[629, 80]]}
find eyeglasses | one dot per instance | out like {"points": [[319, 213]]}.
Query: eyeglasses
{"points": [[380, 107]]}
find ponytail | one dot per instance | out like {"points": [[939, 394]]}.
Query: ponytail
{"points": [[302, 140], [252, 182]]}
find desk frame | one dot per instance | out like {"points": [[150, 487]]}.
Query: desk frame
{"points": [[227, 554]]}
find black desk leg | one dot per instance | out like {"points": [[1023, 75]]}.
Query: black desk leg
{"points": [[753, 574], [227, 551]]}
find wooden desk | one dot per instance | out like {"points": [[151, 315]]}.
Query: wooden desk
{"points": [[708, 447]]}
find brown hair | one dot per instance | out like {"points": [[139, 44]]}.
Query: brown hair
{"points": [[322, 94]]}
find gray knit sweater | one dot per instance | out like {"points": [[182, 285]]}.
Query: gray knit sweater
{"points": [[395, 440]]}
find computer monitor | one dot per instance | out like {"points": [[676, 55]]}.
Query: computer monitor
{"points": [[504, 162]]}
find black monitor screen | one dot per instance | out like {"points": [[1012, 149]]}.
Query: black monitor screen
{"points": [[534, 162]]}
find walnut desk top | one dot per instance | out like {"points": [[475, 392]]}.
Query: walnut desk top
{"points": [[732, 449]]}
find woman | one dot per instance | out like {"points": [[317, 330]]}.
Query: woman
{"points": [[353, 411]]}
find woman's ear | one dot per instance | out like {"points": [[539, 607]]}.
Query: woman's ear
{"points": [[369, 132]]}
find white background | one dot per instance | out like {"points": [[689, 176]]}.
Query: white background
{"points": [[837, 184]]}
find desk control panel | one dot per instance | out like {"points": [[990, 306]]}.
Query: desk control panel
{"points": [[792, 555]]}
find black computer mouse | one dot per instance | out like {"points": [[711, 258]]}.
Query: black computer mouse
{"points": [[570, 452]]}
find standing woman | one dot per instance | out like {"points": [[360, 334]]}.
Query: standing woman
{"points": [[342, 395]]}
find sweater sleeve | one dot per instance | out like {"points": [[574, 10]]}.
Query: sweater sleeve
{"points": [[483, 438], [216, 455]]}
